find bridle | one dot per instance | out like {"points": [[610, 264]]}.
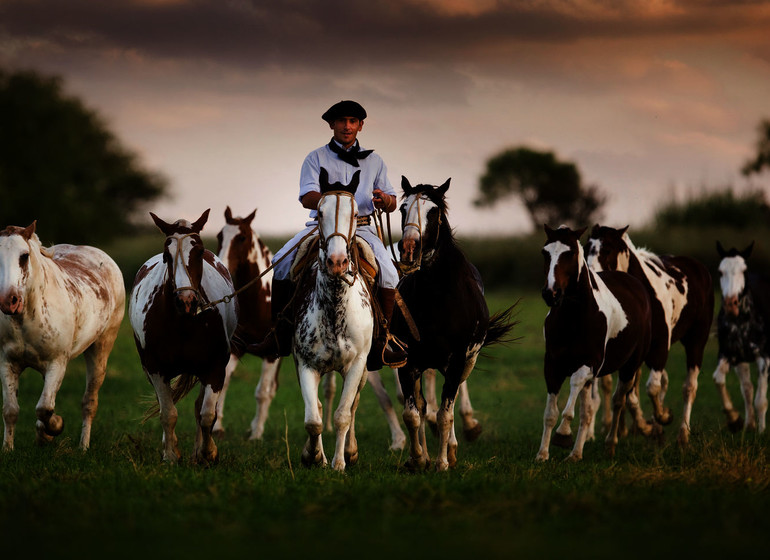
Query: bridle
{"points": [[323, 240], [415, 204], [179, 258]]}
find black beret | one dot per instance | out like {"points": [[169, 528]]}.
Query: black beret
{"points": [[344, 109]]}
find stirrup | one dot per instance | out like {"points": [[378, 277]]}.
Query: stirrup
{"points": [[401, 347]]}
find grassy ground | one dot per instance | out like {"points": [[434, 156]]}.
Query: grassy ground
{"points": [[119, 499]]}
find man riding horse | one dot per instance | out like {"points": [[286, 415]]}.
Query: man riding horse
{"points": [[341, 157]]}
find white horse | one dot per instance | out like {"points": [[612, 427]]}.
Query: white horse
{"points": [[182, 328], [334, 324], [57, 303]]}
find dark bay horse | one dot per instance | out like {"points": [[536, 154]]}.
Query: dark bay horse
{"points": [[57, 302], [682, 299], [177, 332], [598, 323], [445, 298], [742, 331]]}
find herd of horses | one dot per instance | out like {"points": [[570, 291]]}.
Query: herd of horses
{"points": [[195, 314]]}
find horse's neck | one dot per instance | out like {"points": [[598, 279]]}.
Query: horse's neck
{"points": [[446, 253]]}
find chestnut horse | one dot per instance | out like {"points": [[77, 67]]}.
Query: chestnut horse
{"points": [[682, 299], [598, 323], [182, 325], [56, 303]]}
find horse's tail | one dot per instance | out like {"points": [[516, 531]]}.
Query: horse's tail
{"points": [[179, 388], [500, 326]]}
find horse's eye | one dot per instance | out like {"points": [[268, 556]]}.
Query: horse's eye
{"points": [[23, 259]]}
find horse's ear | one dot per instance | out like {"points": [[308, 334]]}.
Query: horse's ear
{"points": [[353, 185], [228, 215], [250, 217], [721, 250], [746, 253], [165, 227], [323, 179], [198, 224], [406, 186], [443, 188], [29, 231], [548, 230], [595, 230], [623, 231]]}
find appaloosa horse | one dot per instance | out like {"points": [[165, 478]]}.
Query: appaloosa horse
{"points": [[333, 323], [247, 258], [182, 325], [56, 303], [682, 299], [598, 323], [742, 330], [445, 297]]}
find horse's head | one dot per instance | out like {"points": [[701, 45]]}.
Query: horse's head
{"points": [[422, 212], [607, 249], [563, 262], [183, 256], [337, 214], [14, 266], [236, 241], [732, 270]]}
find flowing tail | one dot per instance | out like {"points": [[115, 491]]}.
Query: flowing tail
{"points": [[179, 388], [500, 326]]}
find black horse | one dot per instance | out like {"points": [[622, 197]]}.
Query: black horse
{"points": [[444, 295]]}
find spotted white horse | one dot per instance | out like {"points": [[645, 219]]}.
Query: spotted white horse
{"points": [[56, 303]]}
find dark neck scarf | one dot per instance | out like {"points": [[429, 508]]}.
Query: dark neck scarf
{"points": [[349, 156]]}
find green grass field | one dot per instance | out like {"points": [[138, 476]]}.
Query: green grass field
{"points": [[119, 499]]}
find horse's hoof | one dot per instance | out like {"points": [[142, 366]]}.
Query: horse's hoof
{"points": [[683, 439], [561, 440], [572, 458], [665, 418], [736, 425], [472, 434], [416, 465], [610, 448], [309, 460], [218, 434], [55, 425], [351, 460], [398, 444]]}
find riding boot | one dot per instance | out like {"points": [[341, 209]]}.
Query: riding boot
{"points": [[384, 352], [278, 341]]}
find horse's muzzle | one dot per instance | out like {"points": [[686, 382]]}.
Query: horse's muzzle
{"points": [[731, 305], [11, 304], [408, 247], [186, 302]]}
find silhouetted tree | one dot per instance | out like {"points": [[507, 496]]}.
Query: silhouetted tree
{"points": [[552, 190], [60, 165], [762, 159]]}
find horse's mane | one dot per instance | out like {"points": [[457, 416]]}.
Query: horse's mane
{"points": [[643, 253]]}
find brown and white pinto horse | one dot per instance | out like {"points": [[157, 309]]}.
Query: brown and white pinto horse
{"points": [[56, 303], [742, 331], [247, 257], [177, 332], [598, 323], [445, 297], [682, 299]]}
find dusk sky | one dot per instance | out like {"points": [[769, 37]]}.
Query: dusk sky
{"points": [[651, 100]]}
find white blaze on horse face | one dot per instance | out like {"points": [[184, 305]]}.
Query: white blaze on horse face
{"points": [[336, 225], [732, 279], [13, 249], [180, 249], [555, 250], [415, 222], [592, 259]]}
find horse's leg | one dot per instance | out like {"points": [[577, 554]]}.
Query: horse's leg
{"points": [[760, 401], [734, 420], [471, 426], [168, 417], [330, 390], [219, 428], [205, 416], [10, 379], [397, 437], [586, 413], [96, 369], [657, 385], [689, 390], [413, 406], [351, 443], [353, 381], [596, 402], [550, 417], [563, 435], [635, 408], [605, 383], [622, 390], [431, 405], [50, 424], [313, 452], [445, 418], [264, 395], [747, 390], [399, 391]]}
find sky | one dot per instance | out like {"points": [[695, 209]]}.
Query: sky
{"points": [[653, 101]]}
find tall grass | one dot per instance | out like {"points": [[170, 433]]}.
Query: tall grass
{"points": [[119, 499]]}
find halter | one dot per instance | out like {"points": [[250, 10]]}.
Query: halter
{"points": [[179, 258], [323, 241], [418, 225]]}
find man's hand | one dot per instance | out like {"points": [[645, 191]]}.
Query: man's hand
{"points": [[383, 200]]}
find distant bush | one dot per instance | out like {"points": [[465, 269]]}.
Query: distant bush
{"points": [[716, 209]]}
